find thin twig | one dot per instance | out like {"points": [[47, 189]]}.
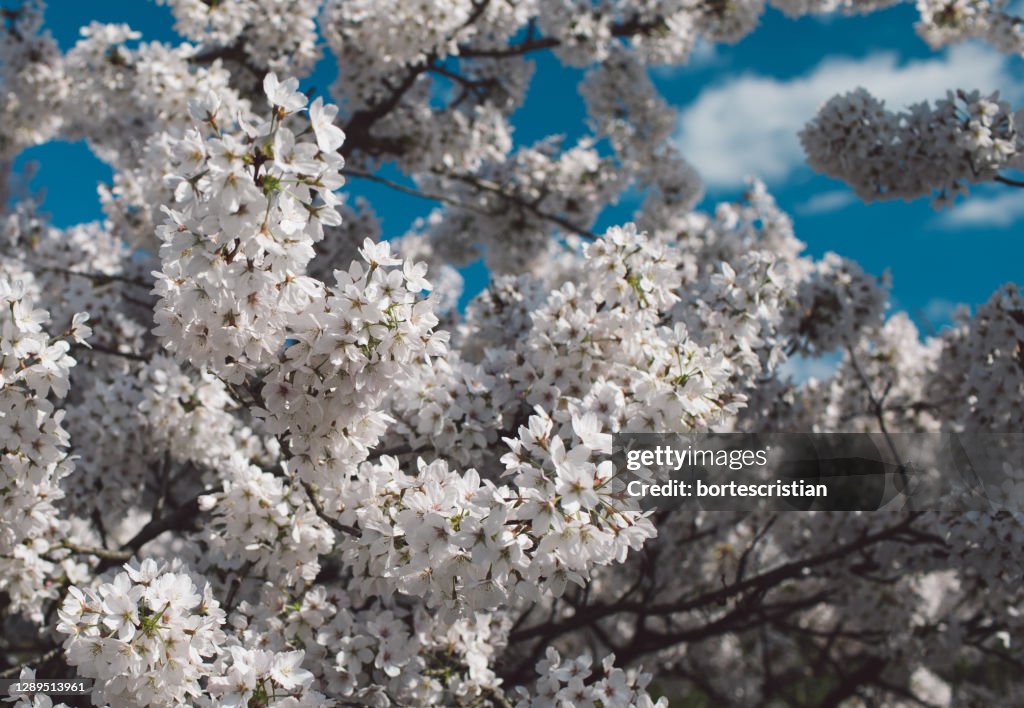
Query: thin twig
{"points": [[97, 278], [41, 659], [361, 174], [496, 189], [878, 406], [101, 349], [109, 554]]}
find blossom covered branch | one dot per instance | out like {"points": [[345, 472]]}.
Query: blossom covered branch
{"points": [[254, 454]]}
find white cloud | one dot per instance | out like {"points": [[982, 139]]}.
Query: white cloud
{"points": [[999, 211], [748, 126], [939, 311], [825, 202], [801, 368]]}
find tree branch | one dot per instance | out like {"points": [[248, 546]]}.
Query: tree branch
{"points": [[41, 659], [517, 201], [532, 44], [314, 498], [758, 583], [878, 409], [1009, 181], [174, 520], [115, 555], [362, 174], [101, 349], [236, 584]]}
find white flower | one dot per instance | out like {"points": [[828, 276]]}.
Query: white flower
{"points": [[378, 254], [286, 670], [80, 331], [328, 136], [284, 94], [166, 634], [588, 428]]}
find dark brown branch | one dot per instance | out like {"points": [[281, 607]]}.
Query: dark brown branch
{"points": [[477, 86], [359, 125], [177, 519], [850, 683], [745, 556], [41, 659], [181, 515], [96, 278], [233, 52], [759, 583], [739, 620], [101, 349], [362, 174], [314, 498], [517, 201], [1009, 181], [236, 584], [482, 185], [533, 44], [114, 555], [512, 50]]}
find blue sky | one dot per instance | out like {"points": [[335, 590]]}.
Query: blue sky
{"points": [[740, 109]]}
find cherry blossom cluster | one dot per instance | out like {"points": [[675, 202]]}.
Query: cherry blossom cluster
{"points": [[261, 677], [250, 204], [78, 269], [374, 40], [275, 40], [348, 350], [121, 93], [740, 313], [946, 21], [340, 244], [896, 364], [964, 139], [412, 45], [706, 240], [610, 347], [446, 282], [453, 406], [465, 544], [982, 374], [33, 442], [942, 22], [835, 302], [264, 521], [32, 81], [155, 417], [573, 682], [148, 635], [588, 33], [190, 417], [378, 652], [499, 317]]}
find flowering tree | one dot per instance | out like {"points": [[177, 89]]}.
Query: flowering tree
{"points": [[252, 454]]}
